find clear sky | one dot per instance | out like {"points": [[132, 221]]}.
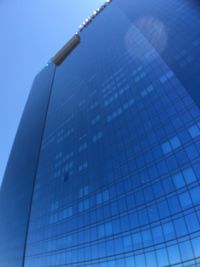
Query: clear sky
{"points": [[31, 32]]}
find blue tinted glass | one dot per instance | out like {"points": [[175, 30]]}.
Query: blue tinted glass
{"points": [[147, 237], [116, 182], [140, 260], [178, 180], [195, 195], [130, 261], [194, 131], [185, 200], [174, 204], [186, 250], [151, 259], [162, 257], [196, 248], [157, 234], [166, 147], [17, 186], [180, 227], [174, 254], [168, 231], [192, 222], [197, 170], [175, 143], [192, 152], [137, 241], [163, 209], [189, 175], [168, 185]]}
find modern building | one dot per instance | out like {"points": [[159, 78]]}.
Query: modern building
{"points": [[105, 167]]}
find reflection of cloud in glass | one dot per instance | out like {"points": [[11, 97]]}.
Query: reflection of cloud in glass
{"points": [[145, 37], [154, 30]]}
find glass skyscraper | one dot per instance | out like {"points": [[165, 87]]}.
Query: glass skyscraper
{"points": [[105, 168]]}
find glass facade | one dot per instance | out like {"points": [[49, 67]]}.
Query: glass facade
{"points": [[17, 187], [117, 181]]}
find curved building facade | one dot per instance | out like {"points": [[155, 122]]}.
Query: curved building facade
{"points": [[116, 180]]}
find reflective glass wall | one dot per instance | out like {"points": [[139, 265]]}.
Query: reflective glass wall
{"points": [[119, 168], [17, 187], [118, 179]]}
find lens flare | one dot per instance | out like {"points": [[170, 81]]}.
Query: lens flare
{"points": [[146, 39]]}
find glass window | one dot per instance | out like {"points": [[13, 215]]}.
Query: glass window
{"points": [[163, 209], [130, 262], [109, 264], [101, 232], [197, 170], [119, 246], [130, 201], [175, 142], [186, 250], [127, 243], [162, 257], [105, 195], [168, 231], [139, 198], [195, 194], [151, 259], [178, 180], [143, 217], [168, 185], [99, 198], [163, 79], [172, 163], [194, 131], [189, 175], [196, 247], [140, 260], [147, 238], [162, 167], [66, 176], [182, 157], [148, 193], [86, 190], [192, 152], [157, 152], [180, 227], [103, 264], [121, 204], [133, 219], [157, 189], [67, 212], [185, 200], [116, 226], [153, 213], [137, 241], [174, 255], [166, 147], [184, 136], [120, 262], [157, 234], [150, 88], [192, 222], [86, 204], [108, 229], [174, 205]]}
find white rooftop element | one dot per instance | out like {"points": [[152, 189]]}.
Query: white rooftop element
{"points": [[94, 14]]}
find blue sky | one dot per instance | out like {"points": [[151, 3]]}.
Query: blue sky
{"points": [[31, 32]]}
